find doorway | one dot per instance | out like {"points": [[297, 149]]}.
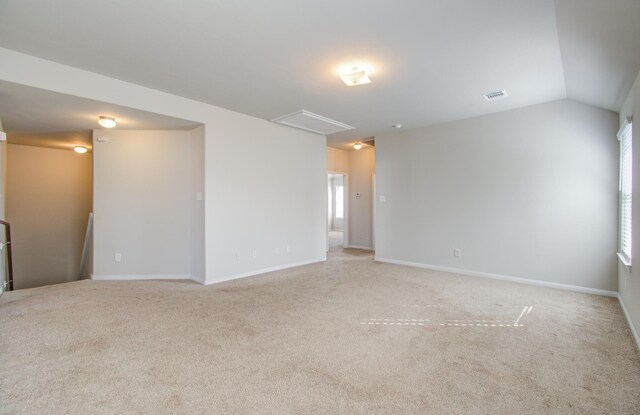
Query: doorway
{"points": [[48, 203], [337, 221]]}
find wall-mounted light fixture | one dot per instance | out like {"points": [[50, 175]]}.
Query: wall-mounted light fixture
{"points": [[357, 146], [107, 122], [80, 149]]}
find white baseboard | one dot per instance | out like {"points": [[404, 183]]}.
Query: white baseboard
{"points": [[143, 277], [528, 281], [634, 332], [263, 271], [366, 248], [199, 280]]}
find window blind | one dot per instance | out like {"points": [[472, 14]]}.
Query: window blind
{"points": [[625, 192]]}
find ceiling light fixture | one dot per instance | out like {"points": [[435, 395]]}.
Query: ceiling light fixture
{"points": [[107, 122], [397, 126], [357, 146], [353, 75], [80, 149]]}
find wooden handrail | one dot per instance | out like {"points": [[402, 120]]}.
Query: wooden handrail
{"points": [[7, 227]]}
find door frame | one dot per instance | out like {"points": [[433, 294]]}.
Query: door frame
{"points": [[345, 199]]}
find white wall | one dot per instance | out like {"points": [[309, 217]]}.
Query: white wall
{"points": [[528, 193], [629, 282], [243, 158], [270, 198], [48, 204], [142, 203], [197, 235]]}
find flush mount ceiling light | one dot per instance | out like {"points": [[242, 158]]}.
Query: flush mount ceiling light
{"points": [[357, 146], [107, 122], [353, 75], [80, 149], [397, 126]]}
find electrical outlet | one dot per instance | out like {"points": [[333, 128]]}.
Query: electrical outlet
{"points": [[255, 253], [457, 252], [117, 257], [288, 249], [277, 251], [237, 257]]}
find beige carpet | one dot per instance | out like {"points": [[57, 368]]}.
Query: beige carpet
{"points": [[335, 240], [347, 336]]}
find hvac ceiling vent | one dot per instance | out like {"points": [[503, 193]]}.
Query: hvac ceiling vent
{"points": [[315, 123], [492, 96]]}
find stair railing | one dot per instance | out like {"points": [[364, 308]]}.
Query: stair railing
{"points": [[8, 282]]}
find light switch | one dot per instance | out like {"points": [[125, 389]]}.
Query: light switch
{"points": [[198, 195], [382, 199]]}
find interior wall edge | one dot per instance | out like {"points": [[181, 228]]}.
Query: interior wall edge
{"points": [[632, 327]]}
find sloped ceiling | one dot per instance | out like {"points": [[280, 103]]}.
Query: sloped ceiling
{"points": [[600, 47], [432, 60]]}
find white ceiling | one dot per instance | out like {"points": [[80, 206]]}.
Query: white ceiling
{"points": [[600, 46], [33, 116], [432, 59]]}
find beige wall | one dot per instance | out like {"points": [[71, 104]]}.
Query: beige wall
{"points": [[337, 160], [362, 163], [629, 282], [145, 204], [248, 163], [528, 193], [196, 164], [48, 203], [359, 165]]}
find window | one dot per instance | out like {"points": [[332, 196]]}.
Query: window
{"points": [[339, 202], [625, 190]]}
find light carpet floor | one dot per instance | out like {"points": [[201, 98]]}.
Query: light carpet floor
{"points": [[335, 240], [348, 336]]}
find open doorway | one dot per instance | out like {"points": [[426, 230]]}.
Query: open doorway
{"points": [[337, 224], [48, 204], [54, 181]]}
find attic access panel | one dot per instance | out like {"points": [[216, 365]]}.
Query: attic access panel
{"points": [[315, 123]]}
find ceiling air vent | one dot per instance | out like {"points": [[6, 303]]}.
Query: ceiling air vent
{"points": [[492, 96], [315, 123]]}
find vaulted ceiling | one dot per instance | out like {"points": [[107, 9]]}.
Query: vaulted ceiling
{"points": [[432, 60]]}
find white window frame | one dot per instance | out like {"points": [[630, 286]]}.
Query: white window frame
{"points": [[625, 192]]}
